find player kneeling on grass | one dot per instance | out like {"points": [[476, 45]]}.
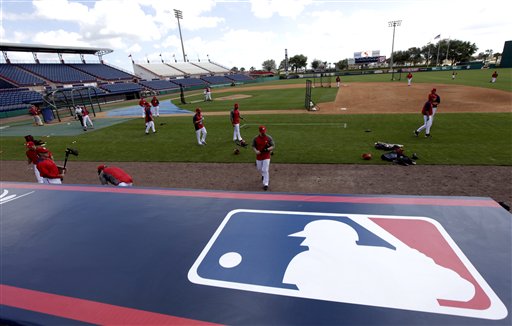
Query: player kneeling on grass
{"points": [[114, 175]]}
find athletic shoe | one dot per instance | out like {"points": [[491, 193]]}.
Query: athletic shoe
{"points": [[416, 133], [203, 142], [265, 188], [427, 136]]}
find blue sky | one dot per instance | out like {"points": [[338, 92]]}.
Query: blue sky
{"points": [[246, 33]]}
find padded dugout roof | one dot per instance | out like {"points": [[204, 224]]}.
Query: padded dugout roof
{"points": [[20, 47]]}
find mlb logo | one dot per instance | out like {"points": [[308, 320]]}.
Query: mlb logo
{"points": [[399, 262]]}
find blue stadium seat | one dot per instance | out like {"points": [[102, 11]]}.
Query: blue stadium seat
{"points": [[189, 82], [217, 80], [158, 85], [19, 76], [102, 71], [58, 73], [239, 77], [119, 88]]}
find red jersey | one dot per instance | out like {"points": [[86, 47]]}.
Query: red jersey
{"points": [[155, 102], [84, 111], [198, 121], [427, 108], [148, 114], [118, 174], [409, 75], [33, 110], [235, 116], [32, 156], [261, 143], [142, 102], [48, 169], [494, 75]]}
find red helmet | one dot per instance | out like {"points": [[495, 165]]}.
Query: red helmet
{"points": [[262, 129]]}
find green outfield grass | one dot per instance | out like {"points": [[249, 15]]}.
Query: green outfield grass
{"points": [[465, 139], [477, 77], [291, 98]]}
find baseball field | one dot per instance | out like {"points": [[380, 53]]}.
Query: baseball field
{"points": [[470, 152]]}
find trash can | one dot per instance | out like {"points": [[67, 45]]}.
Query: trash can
{"points": [[47, 114]]}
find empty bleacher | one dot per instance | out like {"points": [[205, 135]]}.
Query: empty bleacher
{"points": [[211, 67], [58, 73], [188, 68], [217, 80], [19, 76], [102, 71], [239, 77], [6, 85], [189, 82], [158, 85], [18, 96], [119, 88], [160, 70]]}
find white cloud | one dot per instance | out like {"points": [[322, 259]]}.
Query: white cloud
{"points": [[283, 8], [59, 37], [61, 10]]}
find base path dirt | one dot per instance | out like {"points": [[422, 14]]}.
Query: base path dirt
{"points": [[480, 181]]}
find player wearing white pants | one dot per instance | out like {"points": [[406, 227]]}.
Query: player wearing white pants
{"points": [[156, 105], [199, 127], [427, 121], [235, 121], [436, 99], [263, 145], [150, 124]]}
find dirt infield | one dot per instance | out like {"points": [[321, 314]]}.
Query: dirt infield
{"points": [[353, 98]]}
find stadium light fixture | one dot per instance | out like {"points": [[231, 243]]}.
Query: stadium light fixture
{"points": [[179, 15], [393, 23]]}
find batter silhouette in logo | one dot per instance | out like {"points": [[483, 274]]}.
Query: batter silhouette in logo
{"points": [[336, 268]]}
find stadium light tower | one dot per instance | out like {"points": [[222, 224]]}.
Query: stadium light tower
{"points": [[393, 24], [179, 15]]}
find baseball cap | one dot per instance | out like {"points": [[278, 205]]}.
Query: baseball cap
{"points": [[262, 129], [236, 105], [101, 167], [42, 150], [198, 109], [433, 90], [30, 144]]}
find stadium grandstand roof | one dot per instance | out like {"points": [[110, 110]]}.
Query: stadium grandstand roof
{"points": [[20, 47]]}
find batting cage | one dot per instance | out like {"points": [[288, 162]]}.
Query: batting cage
{"points": [[192, 257]]}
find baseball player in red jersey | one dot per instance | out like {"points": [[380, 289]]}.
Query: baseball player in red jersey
{"points": [[142, 104], [199, 127], [263, 145], [235, 121], [409, 79], [427, 121], [33, 158], [150, 123], [86, 118], [47, 167], [494, 76], [156, 105], [114, 175], [436, 100], [35, 112]]}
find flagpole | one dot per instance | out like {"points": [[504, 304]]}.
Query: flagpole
{"points": [[438, 48], [447, 48]]}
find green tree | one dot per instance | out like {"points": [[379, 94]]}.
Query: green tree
{"points": [[342, 64], [298, 61], [315, 64], [269, 65], [415, 55]]}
